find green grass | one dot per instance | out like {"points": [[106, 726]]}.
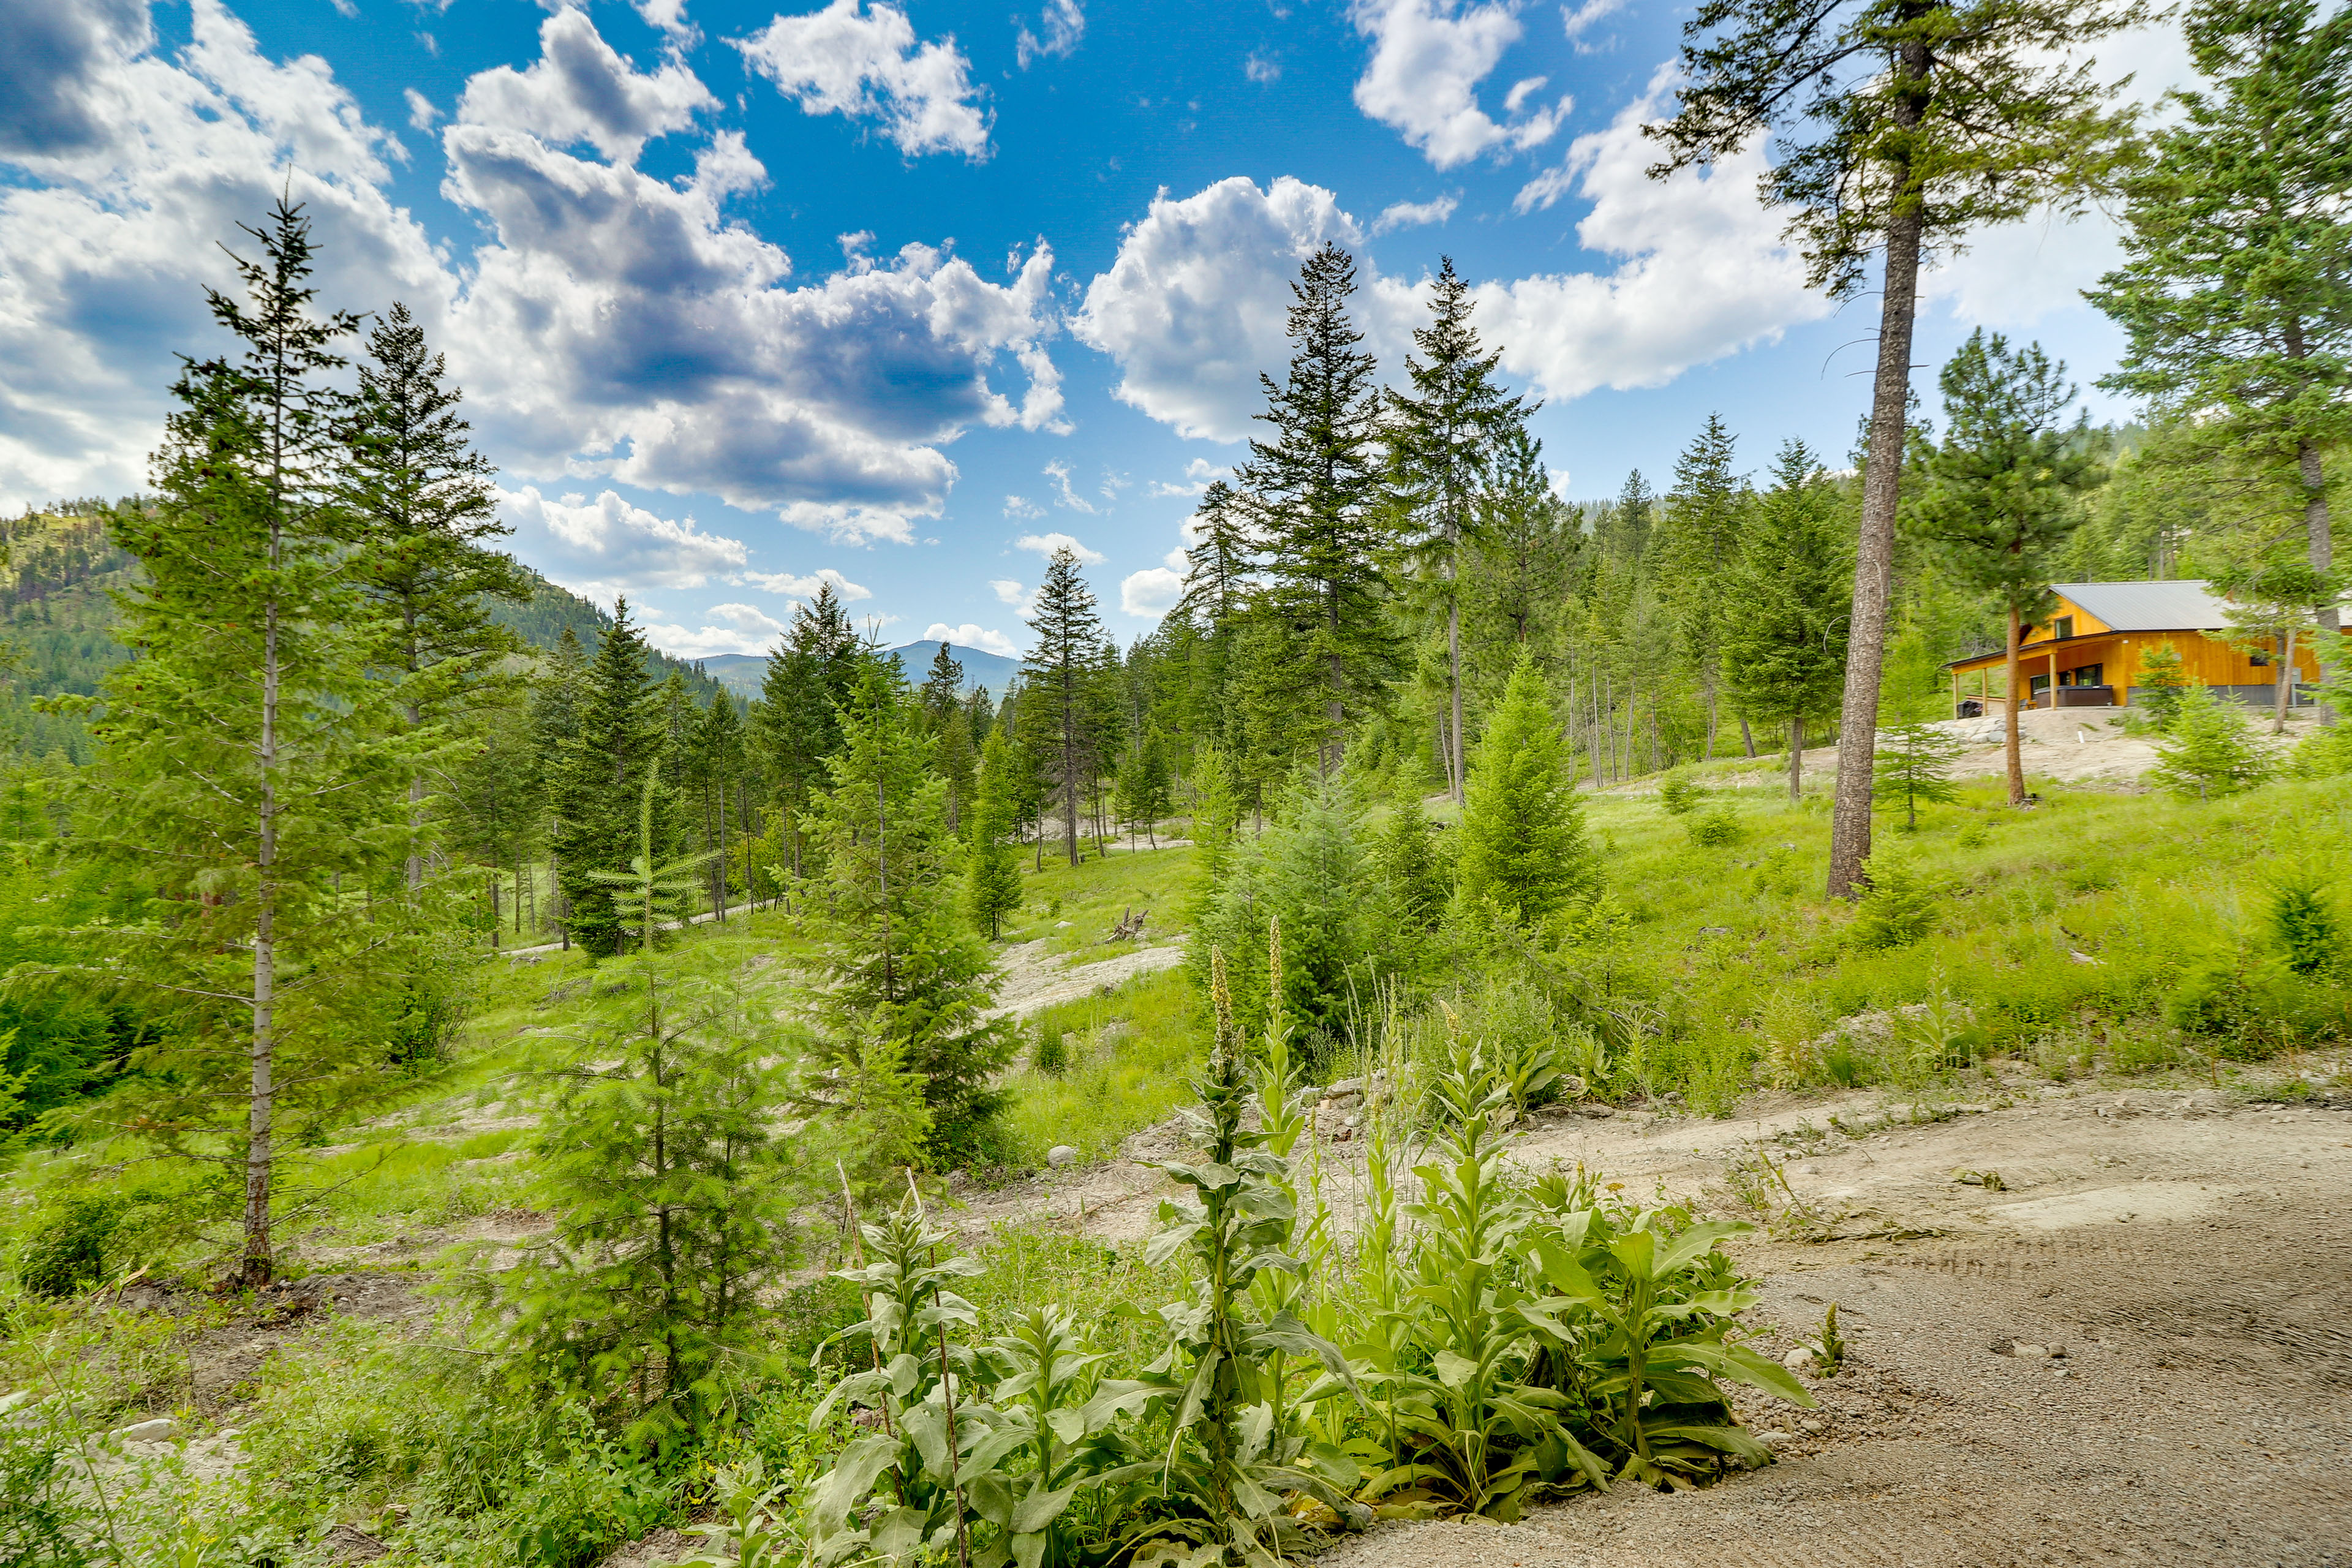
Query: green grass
{"points": [[1093, 895], [1131, 1053]]}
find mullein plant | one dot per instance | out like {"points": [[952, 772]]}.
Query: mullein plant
{"points": [[1232, 1456]]}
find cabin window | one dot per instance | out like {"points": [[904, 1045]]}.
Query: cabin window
{"points": [[2062, 627], [2037, 684], [2088, 675]]}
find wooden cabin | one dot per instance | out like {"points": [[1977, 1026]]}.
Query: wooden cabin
{"points": [[2088, 652]]}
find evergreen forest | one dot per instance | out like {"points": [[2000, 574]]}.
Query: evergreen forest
{"points": [[477, 1090]]}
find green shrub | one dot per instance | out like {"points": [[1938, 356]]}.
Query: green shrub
{"points": [[71, 1237], [1677, 793], [2303, 923], [1052, 1055], [1899, 907], [42, 1518], [1712, 829], [2249, 1007]]}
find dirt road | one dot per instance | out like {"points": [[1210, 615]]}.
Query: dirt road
{"points": [[2190, 1256]]}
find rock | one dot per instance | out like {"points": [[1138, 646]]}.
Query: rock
{"points": [[162, 1429], [1061, 925], [1061, 1154], [1799, 1360], [2030, 1352], [1344, 1085], [1773, 1438]]}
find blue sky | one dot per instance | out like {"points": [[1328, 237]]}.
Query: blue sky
{"points": [[897, 295]]}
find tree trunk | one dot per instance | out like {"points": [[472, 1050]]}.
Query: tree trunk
{"points": [[1796, 759], [1453, 670], [1747, 737], [2326, 643], [2008, 709], [263, 1103], [1874, 555], [2282, 687]]}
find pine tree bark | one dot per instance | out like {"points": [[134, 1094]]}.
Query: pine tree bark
{"points": [[263, 1090], [1796, 759], [2016, 756], [2327, 642], [1874, 560], [1453, 668]]}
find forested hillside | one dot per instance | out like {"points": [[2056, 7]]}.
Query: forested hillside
{"points": [[478, 1091]]}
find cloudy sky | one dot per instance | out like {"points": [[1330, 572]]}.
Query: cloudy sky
{"points": [[901, 296]]}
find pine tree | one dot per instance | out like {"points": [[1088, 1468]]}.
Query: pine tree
{"points": [[1523, 853], [1700, 532], [2208, 750], [895, 956], [2236, 293], [1442, 441], [1407, 855], [2165, 681], [718, 752], [1784, 662], [657, 1151], [559, 695], [796, 723], [622, 732], [248, 766], [1315, 489], [1216, 813], [993, 868], [424, 506], [2000, 494], [1914, 765], [1901, 124], [1060, 707], [1527, 543], [1144, 795]]}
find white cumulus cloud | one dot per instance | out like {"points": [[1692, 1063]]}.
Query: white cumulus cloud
{"points": [[806, 587], [1193, 305], [1046, 544], [580, 89], [1702, 272], [1059, 29], [1413, 215], [1428, 58], [1154, 590], [1197, 473], [742, 629], [1059, 473], [862, 61], [608, 546], [970, 636]]}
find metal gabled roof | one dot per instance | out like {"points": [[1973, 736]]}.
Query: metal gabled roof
{"points": [[2186, 606]]}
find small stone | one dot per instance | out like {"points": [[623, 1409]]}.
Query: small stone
{"points": [[2030, 1352], [1061, 925], [1061, 1154], [1773, 1438], [1799, 1359], [162, 1429]]}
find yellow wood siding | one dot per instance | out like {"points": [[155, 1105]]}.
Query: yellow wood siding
{"points": [[2205, 660]]}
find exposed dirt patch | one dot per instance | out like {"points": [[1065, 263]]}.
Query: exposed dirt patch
{"points": [[1036, 978], [2189, 1263]]}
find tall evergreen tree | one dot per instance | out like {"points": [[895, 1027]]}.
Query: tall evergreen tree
{"points": [[1784, 658], [942, 686], [2235, 295], [1901, 124], [426, 508], [622, 732], [895, 956], [1523, 853], [1527, 543], [248, 766], [1442, 440], [1059, 709], [1699, 540], [559, 696], [796, 724], [1315, 486], [1999, 497], [993, 869], [717, 763]]}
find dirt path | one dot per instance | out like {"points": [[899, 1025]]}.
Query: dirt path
{"points": [[2190, 1256], [1033, 979]]}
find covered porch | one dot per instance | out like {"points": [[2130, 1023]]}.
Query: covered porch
{"points": [[2080, 672]]}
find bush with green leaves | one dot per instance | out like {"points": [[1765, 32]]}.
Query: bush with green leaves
{"points": [[2209, 751], [1678, 792], [44, 1519], [1714, 829], [1898, 906], [70, 1244], [2303, 923]]}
